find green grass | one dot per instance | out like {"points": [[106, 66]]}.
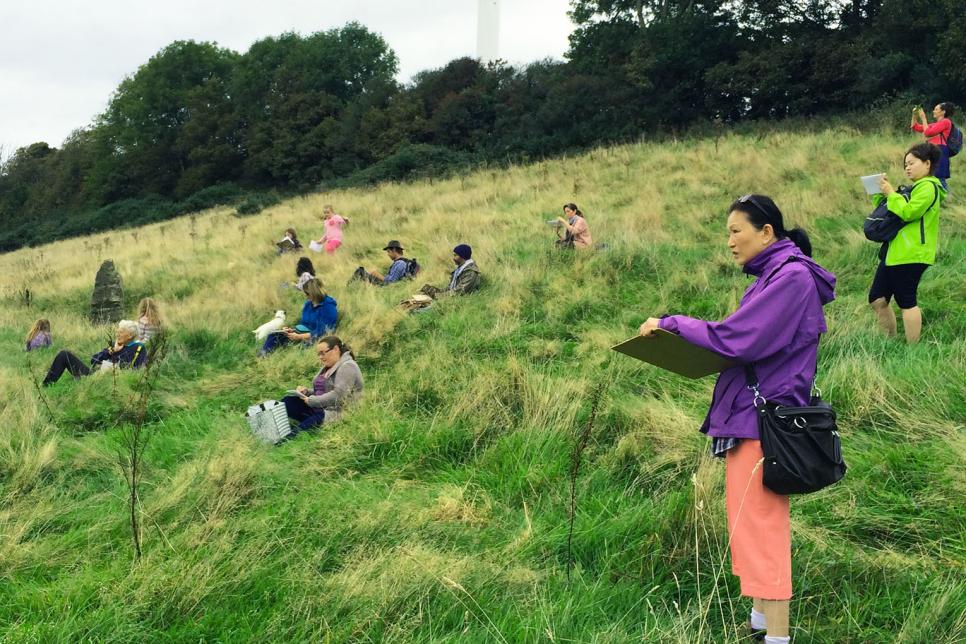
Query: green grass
{"points": [[438, 510]]}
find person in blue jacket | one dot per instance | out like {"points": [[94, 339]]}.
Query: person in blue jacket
{"points": [[319, 318], [125, 352]]}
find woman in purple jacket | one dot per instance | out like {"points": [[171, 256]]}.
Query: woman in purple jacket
{"points": [[776, 329]]}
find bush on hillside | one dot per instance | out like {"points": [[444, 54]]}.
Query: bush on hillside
{"points": [[132, 212], [219, 194], [409, 163], [257, 202]]}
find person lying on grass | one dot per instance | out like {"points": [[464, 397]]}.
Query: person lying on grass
{"points": [[337, 383], [125, 352], [320, 315]]}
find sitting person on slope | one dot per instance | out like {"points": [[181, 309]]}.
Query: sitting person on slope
{"points": [[398, 270], [337, 383], [465, 279], [319, 316], [125, 352]]}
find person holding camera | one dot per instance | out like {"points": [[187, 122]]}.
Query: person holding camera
{"points": [[938, 134]]}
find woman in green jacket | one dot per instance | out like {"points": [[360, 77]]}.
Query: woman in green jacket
{"points": [[913, 249]]}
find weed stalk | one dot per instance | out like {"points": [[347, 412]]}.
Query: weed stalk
{"points": [[575, 458]]}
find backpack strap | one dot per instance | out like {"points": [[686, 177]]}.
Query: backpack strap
{"points": [[922, 219]]}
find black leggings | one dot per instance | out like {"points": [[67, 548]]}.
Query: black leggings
{"points": [[900, 281], [66, 361]]}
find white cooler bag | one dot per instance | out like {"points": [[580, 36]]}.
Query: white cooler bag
{"points": [[269, 422]]}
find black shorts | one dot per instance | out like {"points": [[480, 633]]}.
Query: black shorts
{"points": [[901, 282]]}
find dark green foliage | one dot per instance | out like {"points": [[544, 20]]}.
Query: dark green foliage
{"points": [[198, 124], [257, 202], [216, 195], [410, 162]]}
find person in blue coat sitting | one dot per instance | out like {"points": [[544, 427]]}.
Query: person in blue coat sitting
{"points": [[319, 318], [125, 352]]}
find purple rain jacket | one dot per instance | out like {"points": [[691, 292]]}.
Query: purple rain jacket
{"points": [[776, 327]]}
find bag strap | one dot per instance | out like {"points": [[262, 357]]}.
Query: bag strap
{"points": [[922, 220], [751, 382]]}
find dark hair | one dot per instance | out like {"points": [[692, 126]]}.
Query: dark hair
{"points": [[334, 341], [926, 152], [761, 210], [573, 206], [291, 231], [948, 109], [304, 265]]}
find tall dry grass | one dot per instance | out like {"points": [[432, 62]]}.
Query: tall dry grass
{"points": [[438, 510]]}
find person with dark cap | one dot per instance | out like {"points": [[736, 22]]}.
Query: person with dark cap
{"points": [[465, 279], [400, 269]]}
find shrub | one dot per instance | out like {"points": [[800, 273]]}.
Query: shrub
{"points": [[217, 195], [257, 202], [411, 162]]}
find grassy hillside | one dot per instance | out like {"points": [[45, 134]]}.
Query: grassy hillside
{"points": [[438, 510]]}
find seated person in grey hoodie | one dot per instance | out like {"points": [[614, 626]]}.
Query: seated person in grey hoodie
{"points": [[338, 382], [465, 279]]}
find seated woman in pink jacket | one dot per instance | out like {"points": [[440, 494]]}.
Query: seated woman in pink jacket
{"points": [[578, 234], [936, 133]]}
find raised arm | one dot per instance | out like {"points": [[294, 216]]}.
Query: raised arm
{"points": [[759, 328], [920, 201]]}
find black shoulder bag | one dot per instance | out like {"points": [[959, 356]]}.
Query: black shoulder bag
{"points": [[803, 452], [883, 225]]}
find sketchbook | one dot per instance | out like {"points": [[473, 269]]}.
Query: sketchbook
{"points": [[672, 352], [871, 184]]}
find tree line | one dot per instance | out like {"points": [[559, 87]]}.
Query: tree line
{"points": [[199, 125]]}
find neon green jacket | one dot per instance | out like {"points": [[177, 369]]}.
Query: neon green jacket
{"points": [[915, 243]]}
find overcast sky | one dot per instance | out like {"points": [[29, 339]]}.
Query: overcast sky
{"points": [[61, 59]]}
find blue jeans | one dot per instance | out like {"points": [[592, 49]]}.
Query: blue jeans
{"points": [[298, 410]]}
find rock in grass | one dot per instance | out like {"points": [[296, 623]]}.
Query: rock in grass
{"points": [[107, 301]]}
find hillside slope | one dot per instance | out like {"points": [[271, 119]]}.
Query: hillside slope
{"points": [[438, 510]]}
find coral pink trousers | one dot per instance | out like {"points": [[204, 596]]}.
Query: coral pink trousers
{"points": [[758, 526]]}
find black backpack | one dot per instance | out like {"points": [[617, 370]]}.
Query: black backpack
{"points": [[412, 268], [954, 144], [883, 225]]}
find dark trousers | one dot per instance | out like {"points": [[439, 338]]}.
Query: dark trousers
{"points": [[298, 410], [272, 342], [66, 361], [362, 275]]}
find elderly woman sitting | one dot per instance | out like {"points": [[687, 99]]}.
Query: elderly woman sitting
{"points": [[126, 352], [337, 383]]}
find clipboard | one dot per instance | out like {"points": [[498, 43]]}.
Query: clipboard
{"points": [[672, 352]]}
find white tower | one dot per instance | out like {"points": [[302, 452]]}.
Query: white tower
{"points": [[488, 31]]}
